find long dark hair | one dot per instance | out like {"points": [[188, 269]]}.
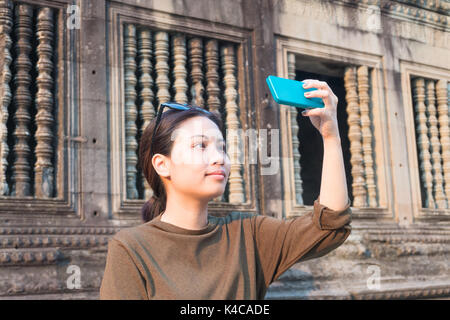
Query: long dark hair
{"points": [[162, 143]]}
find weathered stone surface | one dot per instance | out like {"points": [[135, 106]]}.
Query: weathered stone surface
{"points": [[397, 248]]}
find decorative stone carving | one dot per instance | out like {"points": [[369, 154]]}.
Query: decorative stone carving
{"points": [[6, 22], [354, 135], [53, 284], [295, 142], [162, 66], [438, 188], [22, 100], [26, 257], [44, 170], [146, 95], [130, 51], [412, 293], [366, 131], [45, 241], [423, 142], [179, 70], [212, 75], [57, 230], [138, 54], [444, 132], [196, 60], [431, 12], [384, 247], [232, 124]]}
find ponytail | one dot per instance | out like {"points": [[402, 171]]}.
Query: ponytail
{"points": [[153, 208]]}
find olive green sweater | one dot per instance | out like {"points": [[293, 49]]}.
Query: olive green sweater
{"points": [[233, 257]]}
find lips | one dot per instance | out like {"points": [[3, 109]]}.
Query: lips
{"points": [[217, 172]]}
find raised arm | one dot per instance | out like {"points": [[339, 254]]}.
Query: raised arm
{"points": [[333, 187], [282, 243]]}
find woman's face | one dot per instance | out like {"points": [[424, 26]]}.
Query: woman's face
{"points": [[198, 150]]}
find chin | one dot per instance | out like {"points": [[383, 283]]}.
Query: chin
{"points": [[217, 194], [213, 190], [213, 195]]}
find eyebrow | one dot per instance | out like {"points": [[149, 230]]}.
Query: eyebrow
{"points": [[203, 136]]}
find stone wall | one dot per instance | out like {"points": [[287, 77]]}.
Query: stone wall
{"points": [[80, 80]]}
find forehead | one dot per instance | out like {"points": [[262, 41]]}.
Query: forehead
{"points": [[198, 127]]}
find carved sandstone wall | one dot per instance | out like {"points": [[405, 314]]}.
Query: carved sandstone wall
{"points": [[79, 83]]}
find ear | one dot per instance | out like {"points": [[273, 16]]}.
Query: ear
{"points": [[161, 164]]}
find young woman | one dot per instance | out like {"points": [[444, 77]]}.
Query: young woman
{"points": [[182, 252]]}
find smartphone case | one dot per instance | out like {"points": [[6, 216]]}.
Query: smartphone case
{"points": [[291, 92]]}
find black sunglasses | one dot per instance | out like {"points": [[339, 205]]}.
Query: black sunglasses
{"points": [[175, 106]]}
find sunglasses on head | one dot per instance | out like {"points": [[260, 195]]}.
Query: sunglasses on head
{"points": [[175, 106]]}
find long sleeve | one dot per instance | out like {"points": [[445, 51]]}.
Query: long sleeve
{"points": [[122, 280], [282, 243]]}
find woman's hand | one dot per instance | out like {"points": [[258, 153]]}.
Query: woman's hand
{"points": [[323, 119]]}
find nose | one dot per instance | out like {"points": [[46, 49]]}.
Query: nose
{"points": [[217, 156]]}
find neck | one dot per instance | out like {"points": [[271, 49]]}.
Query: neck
{"points": [[185, 212]]}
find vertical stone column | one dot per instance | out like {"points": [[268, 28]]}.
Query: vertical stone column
{"points": [[295, 142], [130, 52], [6, 23], [354, 135], [444, 132], [44, 179], [259, 17], [233, 125], [22, 100], [162, 66], [94, 154], [146, 94], [179, 70], [212, 75], [196, 60], [367, 136]]}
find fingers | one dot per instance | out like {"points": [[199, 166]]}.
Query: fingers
{"points": [[317, 94], [312, 83], [312, 112], [323, 90]]}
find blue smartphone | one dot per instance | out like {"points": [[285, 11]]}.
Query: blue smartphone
{"points": [[291, 92]]}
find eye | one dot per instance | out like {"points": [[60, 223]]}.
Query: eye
{"points": [[202, 144]]}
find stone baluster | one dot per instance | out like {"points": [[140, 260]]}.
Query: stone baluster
{"points": [[179, 70], [130, 51], [44, 171], [294, 133], [212, 75], [233, 125], [162, 66], [146, 94], [22, 100], [444, 132], [435, 146], [196, 60], [6, 22], [354, 135], [423, 141], [366, 131]]}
